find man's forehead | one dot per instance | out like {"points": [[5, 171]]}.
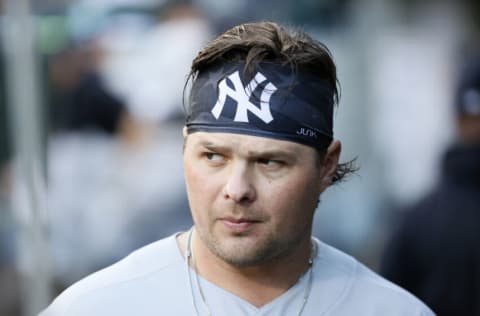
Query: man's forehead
{"points": [[252, 144]]}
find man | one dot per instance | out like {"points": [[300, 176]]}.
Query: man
{"points": [[258, 153], [435, 253]]}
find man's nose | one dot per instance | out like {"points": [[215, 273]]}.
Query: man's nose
{"points": [[239, 186]]}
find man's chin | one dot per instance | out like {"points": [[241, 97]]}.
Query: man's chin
{"points": [[241, 251]]}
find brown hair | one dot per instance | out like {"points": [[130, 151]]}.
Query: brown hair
{"points": [[254, 43]]}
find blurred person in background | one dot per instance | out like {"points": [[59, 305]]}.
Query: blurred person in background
{"points": [[435, 253], [258, 152], [87, 120]]}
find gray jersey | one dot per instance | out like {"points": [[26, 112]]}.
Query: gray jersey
{"points": [[154, 281]]}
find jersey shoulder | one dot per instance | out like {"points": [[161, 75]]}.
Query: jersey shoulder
{"points": [[359, 290], [154, 258]]}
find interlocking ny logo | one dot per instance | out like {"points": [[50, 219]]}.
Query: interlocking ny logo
{"points": [[242, 96]]}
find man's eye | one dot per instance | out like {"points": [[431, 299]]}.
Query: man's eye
{"points": [[270, 162], [213, 156]]}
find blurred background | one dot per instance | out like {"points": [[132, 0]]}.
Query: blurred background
{"points": [[91, 117]]}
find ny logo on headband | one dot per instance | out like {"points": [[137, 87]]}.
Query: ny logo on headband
{"points": [[242, 96]]}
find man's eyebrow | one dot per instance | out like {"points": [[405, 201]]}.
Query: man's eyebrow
{"points": [[213, 146], [273, 153], [290, 154]]}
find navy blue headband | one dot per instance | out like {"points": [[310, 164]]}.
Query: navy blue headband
{"points": [[275, 103]]}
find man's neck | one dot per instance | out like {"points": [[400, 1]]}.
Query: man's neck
{"points": [[257, 285]]}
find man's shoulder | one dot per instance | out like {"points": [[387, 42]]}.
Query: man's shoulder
{"points": [[355, 288], [157, 258], [387, 295]]}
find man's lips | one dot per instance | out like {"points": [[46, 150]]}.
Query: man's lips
{"points": [[238, 225]]}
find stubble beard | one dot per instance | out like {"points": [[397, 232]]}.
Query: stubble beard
{"points": [[253, 253]]}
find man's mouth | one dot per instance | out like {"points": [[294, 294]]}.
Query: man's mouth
{"points": [[238, 225]]}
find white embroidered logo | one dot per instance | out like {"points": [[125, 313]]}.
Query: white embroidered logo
{"points": [[307, 132], [242, 95]]}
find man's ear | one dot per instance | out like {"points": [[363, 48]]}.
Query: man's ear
{"points": [[184, 132], [329, 164]]}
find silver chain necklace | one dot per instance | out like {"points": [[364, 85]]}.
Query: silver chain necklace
{"points": [[189, 257]]}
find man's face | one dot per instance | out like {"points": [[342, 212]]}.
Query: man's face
{"points": [[252, 198]]}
